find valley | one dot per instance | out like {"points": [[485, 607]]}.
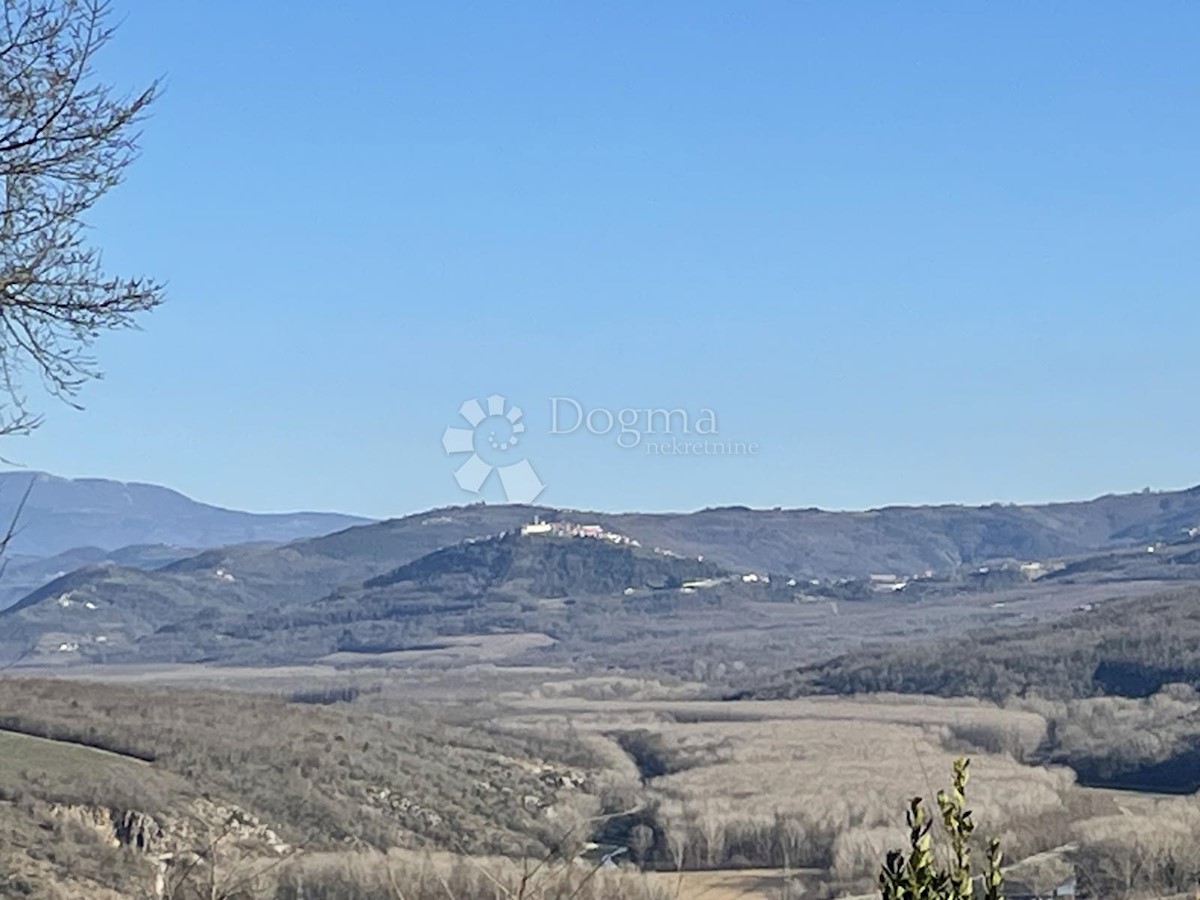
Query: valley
{"points": [[466, 692], [761, 796]]}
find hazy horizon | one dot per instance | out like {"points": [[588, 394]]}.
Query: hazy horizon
{"points": [[302, 508], [915, 255]]}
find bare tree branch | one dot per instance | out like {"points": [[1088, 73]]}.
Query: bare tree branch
{"points": [[65, 141]]}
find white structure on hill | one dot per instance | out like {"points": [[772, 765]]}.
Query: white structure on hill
{"points": [[571, 529]]}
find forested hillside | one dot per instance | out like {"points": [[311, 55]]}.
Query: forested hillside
{"points": [[1128, 648]]}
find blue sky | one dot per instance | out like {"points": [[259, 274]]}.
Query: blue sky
{"points": [[915, 252]]}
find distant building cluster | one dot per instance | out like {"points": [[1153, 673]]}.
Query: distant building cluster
{"points": [[575, 530]]}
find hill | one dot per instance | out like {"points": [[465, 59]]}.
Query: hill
{"points": [[510, 584], [97, 783], [1116, 679], [267, 602], [62, 514], [1131, 647], [912, 539], [117, 605], [25, 574], [107, 608]]}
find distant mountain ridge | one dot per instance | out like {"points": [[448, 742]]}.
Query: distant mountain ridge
{"points": [[129, 595], [63, 514], [67, 514], [912, 539]]}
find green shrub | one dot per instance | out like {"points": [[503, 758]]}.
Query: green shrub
{"points": [[918, 876]]}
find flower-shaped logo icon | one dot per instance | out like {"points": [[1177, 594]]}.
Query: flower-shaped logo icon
{"points": [[493, 438]]}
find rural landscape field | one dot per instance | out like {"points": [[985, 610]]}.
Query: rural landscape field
{"points": [[509, 701], [599, 451]]}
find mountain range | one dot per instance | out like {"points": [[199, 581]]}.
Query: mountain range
{"points": [[407, 582], [63, 514]]}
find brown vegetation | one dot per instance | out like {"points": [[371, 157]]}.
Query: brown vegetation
{"points": [[528, 765]]}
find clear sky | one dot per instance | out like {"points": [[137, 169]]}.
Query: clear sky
{"points": [[916, 252]]}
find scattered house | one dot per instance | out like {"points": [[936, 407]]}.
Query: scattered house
{"points": [[1032, 570], [755, 578], [66, 601]]}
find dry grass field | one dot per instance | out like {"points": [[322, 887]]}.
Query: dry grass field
{"points": [[845, 768], [757, 799], [736, 884], [20, 753]]}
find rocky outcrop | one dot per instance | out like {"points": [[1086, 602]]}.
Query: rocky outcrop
{"points": [[116, 827], [196, 841], [204, 824], [137, 830]]}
